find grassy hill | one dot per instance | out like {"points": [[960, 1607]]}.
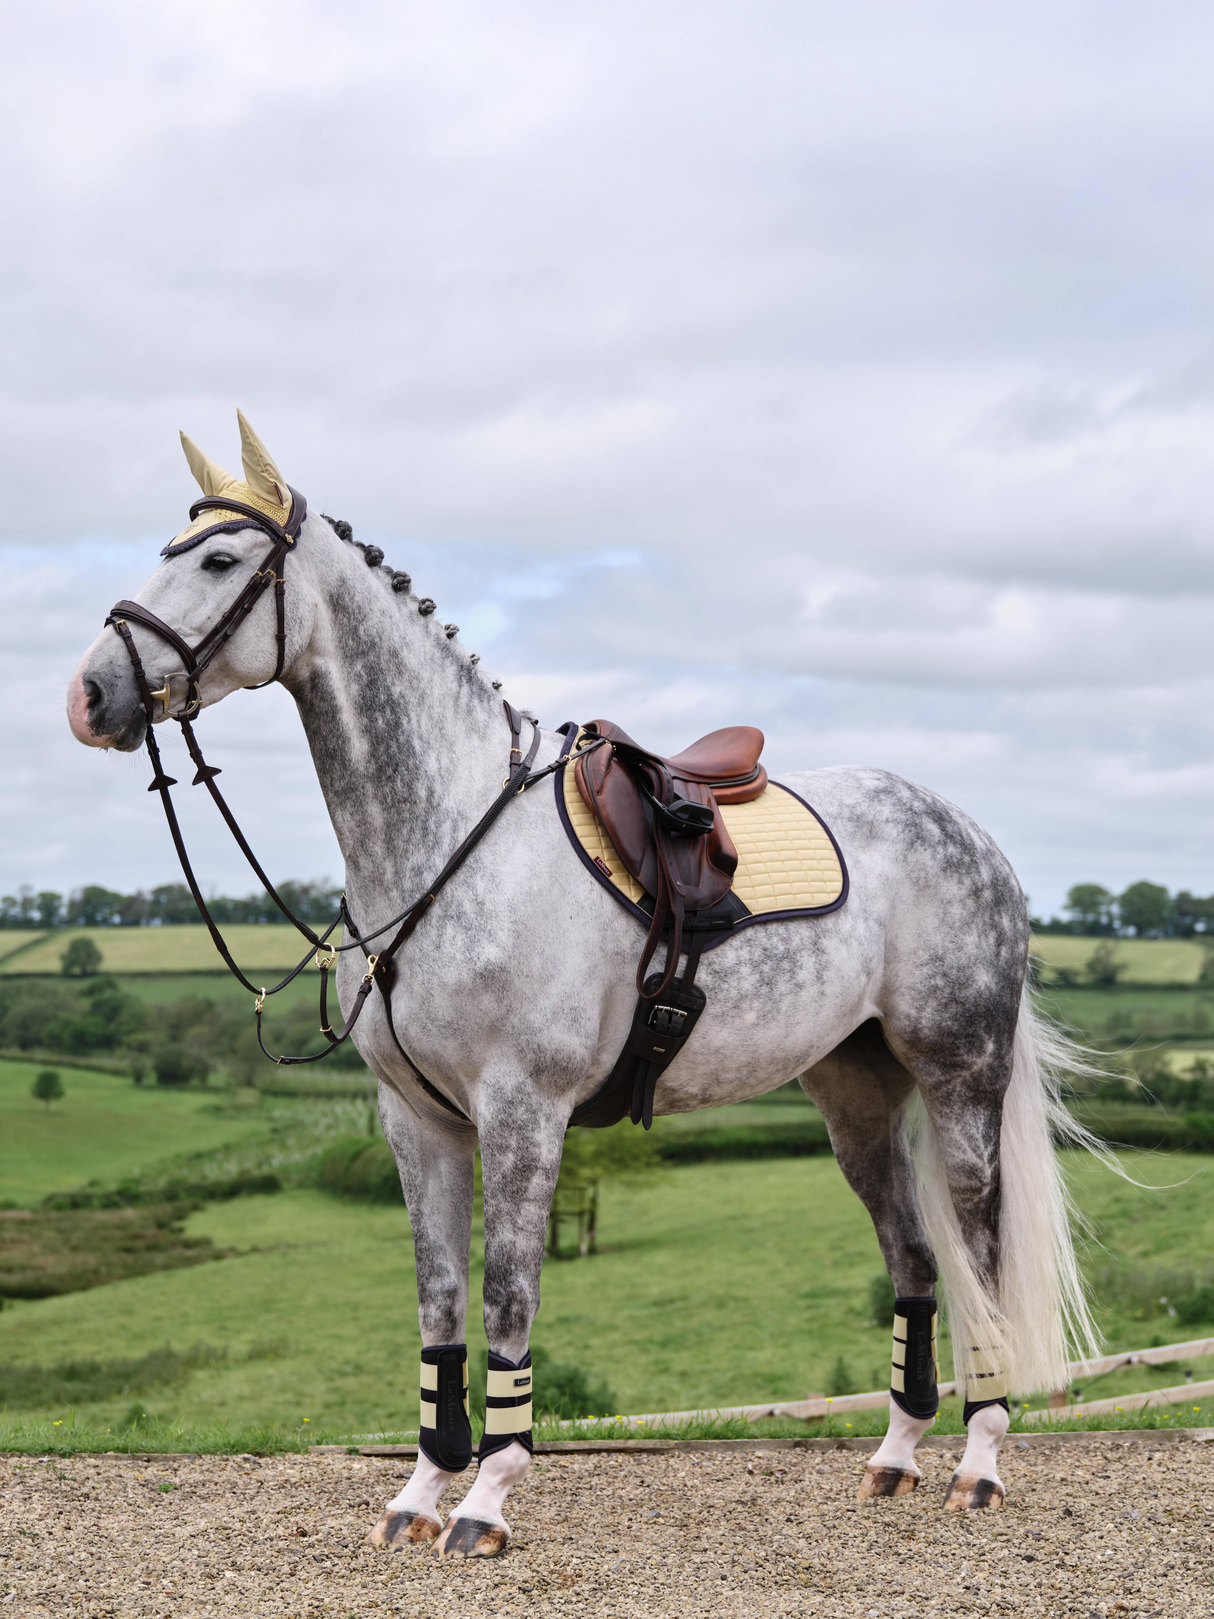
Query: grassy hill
{"points": [[160, 950], [104, 1128], [188, 949], [1147, 961]]}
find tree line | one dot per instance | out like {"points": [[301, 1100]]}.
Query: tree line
{"points": [[1144, 911], [172, 903]]}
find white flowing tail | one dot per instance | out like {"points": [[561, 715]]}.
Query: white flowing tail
{"points": [[1041, 1319]]}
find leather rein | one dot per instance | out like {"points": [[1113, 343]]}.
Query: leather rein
{"points": [[381, 964]]}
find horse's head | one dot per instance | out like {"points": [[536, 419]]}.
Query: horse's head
{"points": [[215, 566]]}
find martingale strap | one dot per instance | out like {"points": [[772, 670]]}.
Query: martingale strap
{"points": [[508, 1416], [445, 1428]]}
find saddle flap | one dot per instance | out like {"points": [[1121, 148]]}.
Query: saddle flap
{"points": [[701, 868]]}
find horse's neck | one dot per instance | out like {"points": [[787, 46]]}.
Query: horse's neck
{"points": [[410, 743]]}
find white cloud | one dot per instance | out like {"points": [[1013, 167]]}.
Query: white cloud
{"points": [[877, 339]]}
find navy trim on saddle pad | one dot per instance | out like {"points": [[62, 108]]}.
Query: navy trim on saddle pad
{"points": [[743, 920]]}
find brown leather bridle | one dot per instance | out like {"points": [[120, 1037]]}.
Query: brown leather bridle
{"points": [[197, 659], [380, 966]]}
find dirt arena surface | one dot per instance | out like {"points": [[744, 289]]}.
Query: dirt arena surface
{"points": [[1110, 1527]]}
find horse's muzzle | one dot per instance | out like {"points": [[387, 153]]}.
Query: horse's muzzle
{"points": [[103, 707]]}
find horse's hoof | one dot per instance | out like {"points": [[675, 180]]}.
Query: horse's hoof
{"points": [[405, 1529], [879, 1483], [472, 1537], [967, 1492]]}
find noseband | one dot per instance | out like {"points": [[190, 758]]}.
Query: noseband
{"points": [[380, 966]]}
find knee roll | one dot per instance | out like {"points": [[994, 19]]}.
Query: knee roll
{"points": [[914, 1373], [445, 1429], [507, 1405]]}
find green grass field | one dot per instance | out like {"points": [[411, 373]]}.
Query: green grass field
{"points": [[184, 949], [1132, 1013], [716, 1284], [105, 1128], [164, 950], [1148, 961], [14, 939]]}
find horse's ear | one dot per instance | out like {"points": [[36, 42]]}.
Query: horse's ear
{"points": [[212, 479], [262, 476]]}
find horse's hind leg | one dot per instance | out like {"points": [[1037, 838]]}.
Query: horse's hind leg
{"points": [[861, 1090], [962, 1072]]}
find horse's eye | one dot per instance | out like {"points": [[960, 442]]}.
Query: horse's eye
{"points": [[218, 562]]}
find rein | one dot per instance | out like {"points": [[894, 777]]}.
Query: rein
{"points": [[380, 965]]}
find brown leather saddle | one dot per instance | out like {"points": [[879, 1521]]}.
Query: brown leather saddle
{"points": [[662, 816]]}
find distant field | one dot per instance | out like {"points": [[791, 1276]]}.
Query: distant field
{"points": [[184, 949], [1148, 961], [166, 950], [1133, 1013], [105, 1127], [220, 987]]}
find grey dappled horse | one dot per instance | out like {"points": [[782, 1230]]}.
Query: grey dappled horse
{"points": [[904, 1013]]}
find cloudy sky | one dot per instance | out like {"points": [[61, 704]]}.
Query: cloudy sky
{"points": [[889, 325]]}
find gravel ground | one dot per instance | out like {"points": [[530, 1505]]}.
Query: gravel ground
{"points": [[1107, 1527]]}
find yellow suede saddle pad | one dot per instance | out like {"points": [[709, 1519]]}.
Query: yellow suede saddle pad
{"points": [[788, 862]]}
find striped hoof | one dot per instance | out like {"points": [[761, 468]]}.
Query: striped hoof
{"points": [[471, 1537], [405, 1529], [967, 1493], [879, 1483]]}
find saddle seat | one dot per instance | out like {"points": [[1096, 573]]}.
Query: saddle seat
{"points": [[727, 760]]}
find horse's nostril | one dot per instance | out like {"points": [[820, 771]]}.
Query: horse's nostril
{"points": [[92, 692]]}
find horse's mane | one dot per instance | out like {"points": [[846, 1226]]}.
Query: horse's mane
{"points": [[402, 583]]}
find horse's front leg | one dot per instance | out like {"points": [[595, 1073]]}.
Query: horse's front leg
{"points": [[435, 1156], [521, 1140]]}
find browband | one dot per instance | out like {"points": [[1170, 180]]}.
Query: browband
{"points": [[287, 532]]}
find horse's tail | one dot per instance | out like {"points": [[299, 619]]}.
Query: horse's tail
{"points": [[1041, 1318]]}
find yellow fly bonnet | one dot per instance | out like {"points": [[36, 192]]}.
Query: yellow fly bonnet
{"points": [[263, 487]]}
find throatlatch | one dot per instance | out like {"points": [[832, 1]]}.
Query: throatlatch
{"points": [[507, 1405], [445, 1434], [915, 1372]]}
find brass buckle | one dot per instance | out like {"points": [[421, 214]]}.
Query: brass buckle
{"points": [[323, 964], [260, 1002], [372, 963]]}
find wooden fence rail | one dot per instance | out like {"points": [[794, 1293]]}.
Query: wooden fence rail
{"points": [[817, 1406]]}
